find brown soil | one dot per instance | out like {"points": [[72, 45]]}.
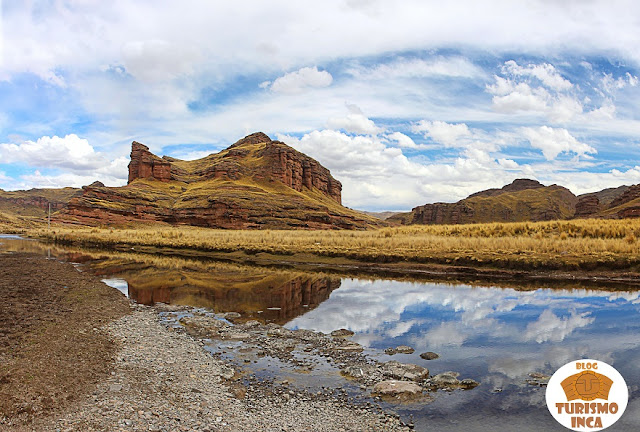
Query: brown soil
{"points": [[52, 346]]}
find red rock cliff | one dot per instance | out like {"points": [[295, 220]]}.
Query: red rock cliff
{"points": [[297, 170], [145, 164]]}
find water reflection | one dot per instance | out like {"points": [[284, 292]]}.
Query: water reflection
{"points": [[268, 295], [494, 335]]}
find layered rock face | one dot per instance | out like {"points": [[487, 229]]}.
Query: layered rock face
{"points": [[297, 170], [283, 163], [255, 183], [145, 164], [610, 203], [587, 206]]}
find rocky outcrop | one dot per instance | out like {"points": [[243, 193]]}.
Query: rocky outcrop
{"points": [[145, 164], [255, 183], [632, 193], [297, 170], [281, 163], [587, 206], [516, 186], [522, 200]]}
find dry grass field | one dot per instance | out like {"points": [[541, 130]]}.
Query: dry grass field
{"points": [[562, 245]]}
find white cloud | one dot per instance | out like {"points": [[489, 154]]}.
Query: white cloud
{"points": [[544, 72], [508, 163], [549, 95], [403, 140], [549, 327], [355, 122], [375, 176], [38, 180], [69, 152], [442, 132], [71, 159], [159, 60], [553, 141], [300, 80], [454, 67], [521, 98], [610, 84]]}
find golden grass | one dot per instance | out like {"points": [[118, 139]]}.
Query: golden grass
{"points": [[576, 244]]}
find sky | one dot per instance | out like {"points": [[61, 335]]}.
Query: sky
{"points": [[405, 102]]}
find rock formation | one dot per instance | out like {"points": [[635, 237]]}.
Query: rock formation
{"points": [[254, 183], [632, 193], [587, 206], [35, 202], [516, 186], [145, 164], [522, 200]]}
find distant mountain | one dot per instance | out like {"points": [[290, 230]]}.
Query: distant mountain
{"points": [[522, 200], [381, 215], [35, 202], [255, 183]]}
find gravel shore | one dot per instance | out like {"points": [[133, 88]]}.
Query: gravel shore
{"points": [[165, 381]]}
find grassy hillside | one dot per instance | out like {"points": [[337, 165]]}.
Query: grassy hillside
{"points": [[252, 184], [35, 202]]}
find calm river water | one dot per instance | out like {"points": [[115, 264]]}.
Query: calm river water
{"points": [[494, 335]]}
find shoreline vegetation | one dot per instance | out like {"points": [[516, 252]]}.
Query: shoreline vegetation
{"points": [[607, 249]]}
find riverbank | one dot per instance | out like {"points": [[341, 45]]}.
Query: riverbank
{"points": [[79, 357], [581, 250]]}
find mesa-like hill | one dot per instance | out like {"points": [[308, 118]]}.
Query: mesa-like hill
{"points": [[255, 183], [527, 200]]}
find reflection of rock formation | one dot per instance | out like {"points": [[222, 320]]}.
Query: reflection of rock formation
{"points": [[276, 297]]}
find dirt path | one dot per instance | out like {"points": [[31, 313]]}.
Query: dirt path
{"points": [[52, 346]]}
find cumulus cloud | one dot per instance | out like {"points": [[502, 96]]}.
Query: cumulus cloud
{"points": [[73, 160], [300, 80], [69, 152], [355, 122], [442, 132], [553, 141], [110, 176], [376, 176], [535, 88], [403, 140]]}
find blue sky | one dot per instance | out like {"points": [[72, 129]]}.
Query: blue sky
{"points": [[406, 103]]}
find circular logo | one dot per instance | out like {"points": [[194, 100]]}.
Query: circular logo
{"points": [[587, 395]]}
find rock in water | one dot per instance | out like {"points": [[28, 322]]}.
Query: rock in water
{"points": [[429, 355], [342, 333], [394, 388], [402, 349]]}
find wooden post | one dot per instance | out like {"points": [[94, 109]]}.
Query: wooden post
{"points": [[49, 216]]}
